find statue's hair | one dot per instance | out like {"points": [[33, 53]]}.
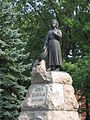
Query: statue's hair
{"points": [[57, 24]]}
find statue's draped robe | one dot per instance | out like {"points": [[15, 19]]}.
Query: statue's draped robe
{"points": [[54, 48]]}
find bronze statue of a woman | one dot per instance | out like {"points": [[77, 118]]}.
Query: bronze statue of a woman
{"points": [[53, 47]]}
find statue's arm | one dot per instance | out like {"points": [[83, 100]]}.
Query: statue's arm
{"points": [[44, 50], [47, 38], [46, 41], [58, 33]]}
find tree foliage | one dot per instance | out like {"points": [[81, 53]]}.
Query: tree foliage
{"points": [[12, 67]]}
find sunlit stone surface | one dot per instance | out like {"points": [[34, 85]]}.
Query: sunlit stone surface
{"points": [[49, 97]]}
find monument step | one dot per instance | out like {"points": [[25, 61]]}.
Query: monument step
{"points": [[49, 115]]}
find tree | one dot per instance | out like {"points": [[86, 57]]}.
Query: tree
{"points": [[12, 67]]}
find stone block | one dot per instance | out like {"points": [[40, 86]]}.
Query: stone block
{"points": [[50, 97], [48, 115], [42, 77]]}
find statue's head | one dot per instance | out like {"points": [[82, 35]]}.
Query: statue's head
{"points": [[54, 23]]}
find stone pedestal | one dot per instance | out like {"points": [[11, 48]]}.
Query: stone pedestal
{"points": [[50, 96]]}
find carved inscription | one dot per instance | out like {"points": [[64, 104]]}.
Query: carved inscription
{"points": [[38, 95]]}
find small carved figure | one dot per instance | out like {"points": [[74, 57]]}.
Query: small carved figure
{"points": [[52, 47]]}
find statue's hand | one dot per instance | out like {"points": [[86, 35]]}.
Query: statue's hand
{"points": [[57, 32], [44, 48], [43, 53]]}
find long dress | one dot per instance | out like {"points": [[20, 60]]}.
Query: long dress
{"points": [[54, 48]]}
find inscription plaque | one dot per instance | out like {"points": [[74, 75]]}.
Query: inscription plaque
{"points": [[38, 95]]}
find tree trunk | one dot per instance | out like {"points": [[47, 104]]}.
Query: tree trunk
{"points": [[87, 110]]}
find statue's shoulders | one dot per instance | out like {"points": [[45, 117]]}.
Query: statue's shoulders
{"points": [[54, 31], [58, 30], [50, 31]]}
